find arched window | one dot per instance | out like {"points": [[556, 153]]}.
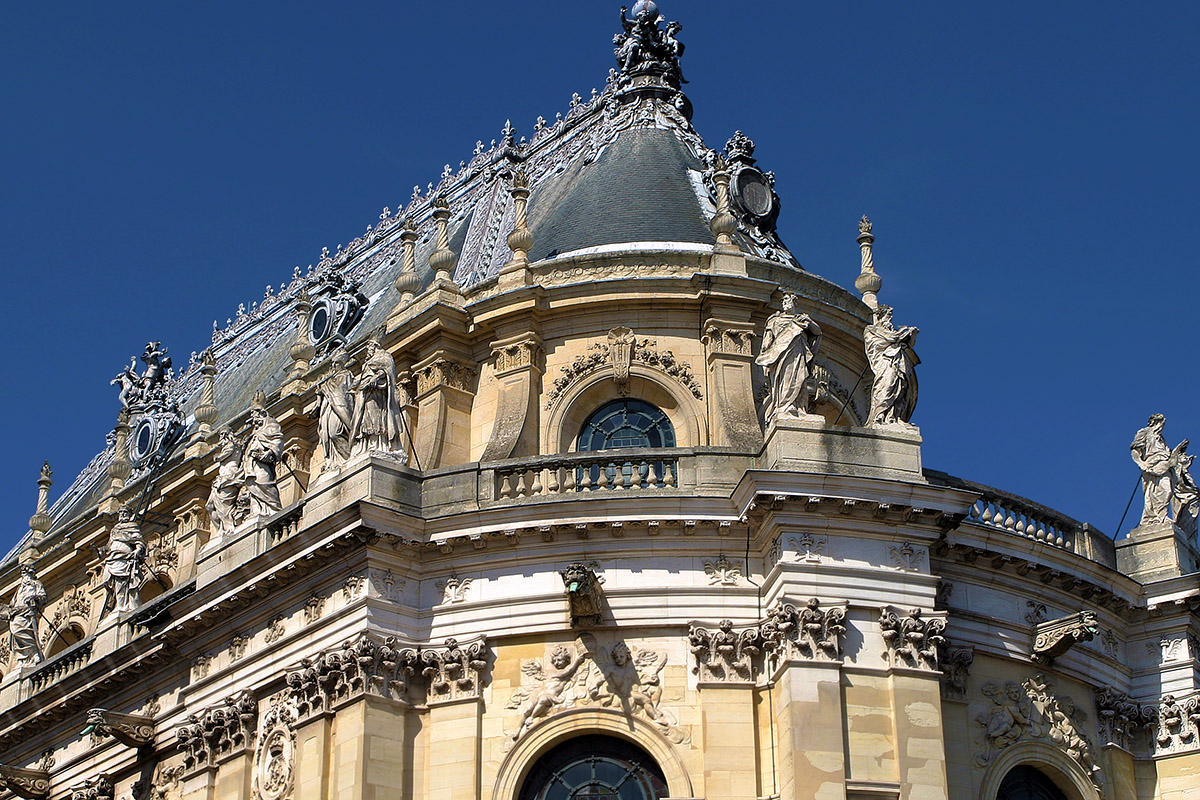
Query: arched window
{"points": [[1027, 783], [626, 423], [595, 768], [63, 637], [622, 424]]}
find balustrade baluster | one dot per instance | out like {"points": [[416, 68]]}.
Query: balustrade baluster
{"points": [[651, 476], [569, 478], [635, 477], [522, 489], [506, 489], [669, 474], [586, 482], [552, 485], [603, 482], [536, 487]]}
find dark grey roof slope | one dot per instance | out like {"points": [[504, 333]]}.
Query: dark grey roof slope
{"points": [[638, 190]]}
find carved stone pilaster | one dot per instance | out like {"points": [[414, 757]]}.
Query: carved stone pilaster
{"points": [[30, 783], [517, 369], [445, 390], [729, 357], [914, 641], [218, 731], [130, 730], [809, 633], [725, 655], [330, 678], [455, 671], [1053, 638]]}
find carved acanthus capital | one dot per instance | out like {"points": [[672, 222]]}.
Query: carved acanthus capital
{"points": [[455, 671], [443, 372], [98, 788], [725, 654], [29, 783], [130, 730], [218, 731], [516, 355], [915, 640], [365, 665], [1118, 717], [810, 632], [729, 340], [1053, 638]]}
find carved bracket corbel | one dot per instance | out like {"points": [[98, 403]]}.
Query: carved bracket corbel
{"points": [[1053, 638], [130, 730], [25, 782]]}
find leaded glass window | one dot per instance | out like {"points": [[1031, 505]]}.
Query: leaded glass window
{"points": [[627, 423], [595, 768]]}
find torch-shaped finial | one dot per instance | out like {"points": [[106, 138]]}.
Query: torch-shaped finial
{"points": [[867, 282], [520, 241], [40, 522], [443, 259], [408, 282], [723, 224], [302, 350], [119, 469], [206, 412]]}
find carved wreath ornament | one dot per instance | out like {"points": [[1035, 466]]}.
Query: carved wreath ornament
{"points": [[621, 350]]}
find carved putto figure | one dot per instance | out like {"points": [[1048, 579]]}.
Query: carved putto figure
{"points": [[893, 362], [27, 605], [222, 505], [554, 680], [789, 347], [1007, 719], [263, 451], [139, 392], [336, 413], [122, 575], [1160, 468], [643, 47], [377, 426]]}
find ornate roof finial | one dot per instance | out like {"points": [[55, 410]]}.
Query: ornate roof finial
{"points": [[647, 52], [408, 282], [508, 132], [206, 412], [302, 350], [520, 240], [723, 223], [867, 282], [442, 260], [740, 148], [40, 522]]}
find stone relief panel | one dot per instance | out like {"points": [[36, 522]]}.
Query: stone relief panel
{"points": [[723, 572], [809, 632], [908, 557], [456, 670], [588, 673], [1030, 711]]}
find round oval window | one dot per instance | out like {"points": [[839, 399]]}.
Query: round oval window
{"points": [[143, 439], [595, 767], [318, 325]]}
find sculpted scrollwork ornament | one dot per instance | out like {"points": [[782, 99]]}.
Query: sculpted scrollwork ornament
{"points": [[1118, 717], [724, 654], [98, 788], [29, 783], [218, 731], [955, 671], [1055, 637], [1175, 723], [130, 730], [915, 641]]}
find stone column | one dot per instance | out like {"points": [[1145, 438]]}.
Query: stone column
{"points": [[809, 716], [312, 758], [444, 396], [729, 740], [455, 736], [370, 751], [517, 372], [733, 418], [917, 717]]}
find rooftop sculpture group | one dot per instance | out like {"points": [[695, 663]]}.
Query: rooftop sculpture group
{"points": [[141, 392], [361, 417], [246, 481], [645, 48]]}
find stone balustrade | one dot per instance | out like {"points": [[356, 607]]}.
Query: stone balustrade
{"points": [[71, 660], [1010, 513], [601, 471]]}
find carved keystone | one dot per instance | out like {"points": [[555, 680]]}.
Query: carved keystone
{"points": [[1053, 638]]}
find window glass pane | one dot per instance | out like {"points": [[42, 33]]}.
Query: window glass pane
{"points": [[594, 767], [626, 423]]}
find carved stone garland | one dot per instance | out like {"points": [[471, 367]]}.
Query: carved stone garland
{"points": [[621, 350]]}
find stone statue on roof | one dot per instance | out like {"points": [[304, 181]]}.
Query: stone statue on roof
{"points": [[378, 424], [643, 47], [139, 392], [789, 348], [27, 605], [335, 411], [263, 452], [222, 506], [122, 575], [893, 362], [1167, 484]]}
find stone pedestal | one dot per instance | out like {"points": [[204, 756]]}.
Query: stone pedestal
{"points": [[816, 446], [1154, 552], [370, 750]]}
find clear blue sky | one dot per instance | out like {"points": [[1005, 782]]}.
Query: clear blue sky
{"points": [[1031, 169]]}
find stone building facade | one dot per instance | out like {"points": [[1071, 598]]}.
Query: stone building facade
{"points": [[567, 480]]}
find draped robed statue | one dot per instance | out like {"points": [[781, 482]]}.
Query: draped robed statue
{"points": [[378, 426], [789, 347], [893, 362]]}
